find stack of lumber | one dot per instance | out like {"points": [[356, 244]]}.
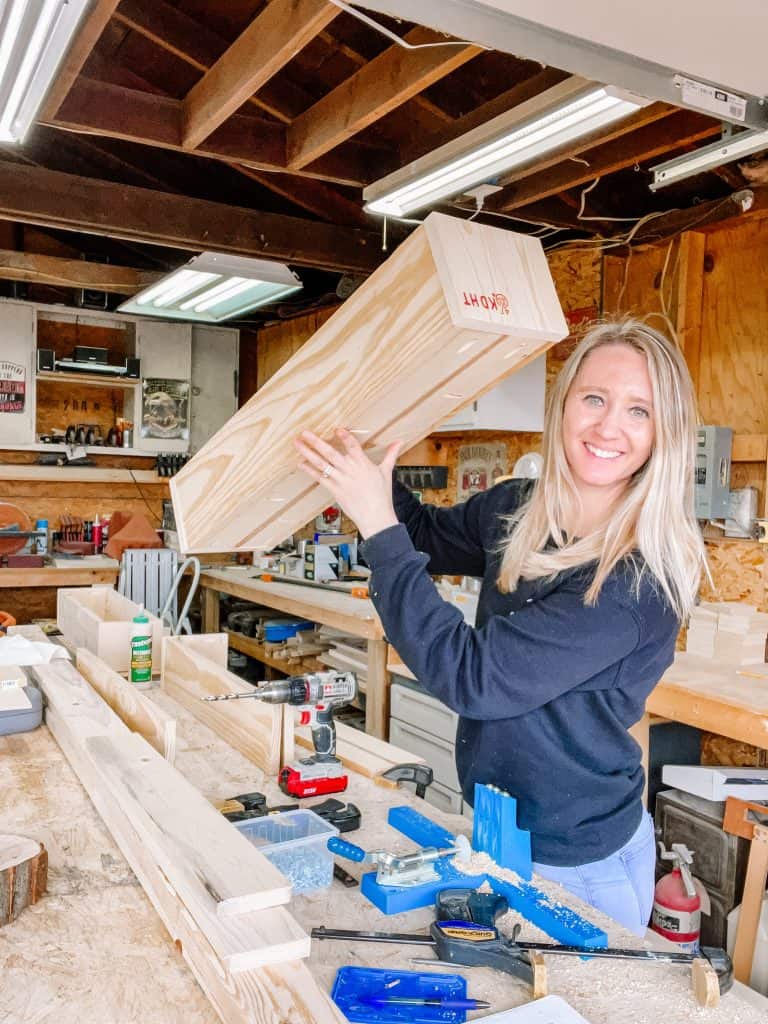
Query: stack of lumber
{"points": [[217, 895], [728, 631], [347, 653]]}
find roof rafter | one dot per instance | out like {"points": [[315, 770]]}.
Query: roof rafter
{"points": [[51, 198], [87, 36], [199, 46], [378, 87], [60, 272], [271, 40], [100, 109]]}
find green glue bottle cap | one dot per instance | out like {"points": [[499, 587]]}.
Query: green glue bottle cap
{"points": [[142, 616]]}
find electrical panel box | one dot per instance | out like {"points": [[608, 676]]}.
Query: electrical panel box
{"points": [[713, 472]]}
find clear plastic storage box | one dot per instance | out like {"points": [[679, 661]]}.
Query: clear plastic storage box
{"points": [[296, 842]]}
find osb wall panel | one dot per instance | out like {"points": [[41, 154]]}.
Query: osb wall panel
{"points": [[61, 405], [643, 284], [739, 573]]}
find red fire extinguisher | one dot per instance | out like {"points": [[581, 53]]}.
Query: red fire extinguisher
{"points": [[676, 903]]}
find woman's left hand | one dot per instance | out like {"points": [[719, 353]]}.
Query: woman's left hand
{"points": [[358, 485]]}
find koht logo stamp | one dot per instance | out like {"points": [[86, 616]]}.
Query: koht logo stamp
{"points": [[496, 302]]}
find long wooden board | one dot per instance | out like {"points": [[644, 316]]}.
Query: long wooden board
{"points": [[252, 728], [169, 813], [457, 307], [129, 704], [270, 994]]}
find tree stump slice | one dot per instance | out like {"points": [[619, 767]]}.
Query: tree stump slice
{"points": [[23, 874]]}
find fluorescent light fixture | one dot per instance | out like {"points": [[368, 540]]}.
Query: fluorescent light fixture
{"points": [[730, 147], [568, 111], [34, 36], [214, 286]]}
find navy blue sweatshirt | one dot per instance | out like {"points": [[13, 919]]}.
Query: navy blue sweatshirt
{"points": [[545, 686]]}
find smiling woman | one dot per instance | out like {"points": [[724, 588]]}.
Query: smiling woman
{"points": [[586, 574]]}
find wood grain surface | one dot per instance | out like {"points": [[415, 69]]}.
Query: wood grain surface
{"points": [[457, 308]]}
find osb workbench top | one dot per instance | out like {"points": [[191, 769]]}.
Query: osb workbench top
{"points": [[93, 951]]}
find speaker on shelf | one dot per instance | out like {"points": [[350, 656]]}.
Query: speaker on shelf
{"points": [[46, 358], [132, 367]]}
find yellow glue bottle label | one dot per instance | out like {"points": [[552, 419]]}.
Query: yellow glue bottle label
{"points": [[141, 650]]}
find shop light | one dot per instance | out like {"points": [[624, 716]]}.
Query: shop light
{"points": [[34, 36], [213, 287], [730, 147], [519, 136]]}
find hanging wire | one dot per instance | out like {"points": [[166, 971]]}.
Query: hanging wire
{"points": [[398, 39]]}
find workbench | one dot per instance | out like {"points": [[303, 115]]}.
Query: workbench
{"points": [[354, 615], [93, 950], [700, 692], [31, 593]]}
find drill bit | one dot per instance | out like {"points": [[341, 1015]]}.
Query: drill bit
{"points": [[234, 696]]}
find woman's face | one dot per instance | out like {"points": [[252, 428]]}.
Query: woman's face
{"points": [[608, 424]]}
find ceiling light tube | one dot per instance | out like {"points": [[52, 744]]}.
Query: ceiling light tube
{"points": [[213, 287], [34, 37], [730, 147], [568, 111]]}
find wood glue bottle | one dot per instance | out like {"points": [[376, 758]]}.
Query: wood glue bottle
{"points": [[141, 651]]}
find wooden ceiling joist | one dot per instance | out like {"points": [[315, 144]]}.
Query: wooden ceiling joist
{"points": [[510, 98], [53, 199], [644, 144], [87, 36], [196, 44], [97, 108], [268, 44], [53, 270], [378, 87]]}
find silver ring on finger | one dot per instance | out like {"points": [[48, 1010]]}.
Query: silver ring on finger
{"points": [[327, 471]]}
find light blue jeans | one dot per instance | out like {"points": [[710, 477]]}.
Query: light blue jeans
{"points": [[620, 885]]}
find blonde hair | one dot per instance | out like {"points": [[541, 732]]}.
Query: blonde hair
{"points": [[655, 515]]}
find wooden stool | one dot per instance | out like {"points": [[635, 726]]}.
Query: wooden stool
{"points": [[736, 821]]}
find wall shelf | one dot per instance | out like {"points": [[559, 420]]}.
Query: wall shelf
{"points": [[80, 474], [93, 380]]}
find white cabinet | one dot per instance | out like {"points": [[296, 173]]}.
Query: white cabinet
{"points": [[517, 403], [17, 373], [165, 351], [215, 355]]}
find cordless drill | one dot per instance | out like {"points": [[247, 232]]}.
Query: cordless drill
{"points": [[314, 695]]}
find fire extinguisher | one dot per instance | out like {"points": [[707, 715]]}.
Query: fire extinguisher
{"points": [[676, 903]]}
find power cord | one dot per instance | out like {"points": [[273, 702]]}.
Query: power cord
{"points": [[398, 39]]}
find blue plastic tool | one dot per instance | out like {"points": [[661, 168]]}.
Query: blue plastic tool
{"points": [[355, 987], [495, 831], [558, 921]]}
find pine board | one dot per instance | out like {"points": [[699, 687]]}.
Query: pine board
{"points": [[251, 727], [400, 356], [194, 845], [99, 619], [129, 704]]}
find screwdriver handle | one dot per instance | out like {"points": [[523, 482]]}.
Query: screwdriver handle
{"points": [[346, 849]]}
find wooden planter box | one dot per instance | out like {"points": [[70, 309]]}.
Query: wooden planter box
{"points": [[455, 309], [99, 619]]}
